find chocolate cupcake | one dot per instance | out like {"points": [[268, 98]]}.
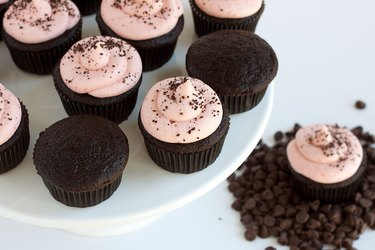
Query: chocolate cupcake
{"points": [[87, 7], [213, 15], [39, 32], [81, 159], [327, 162], [4, 4], [237, 64], [152, 27], [99, 75], [14, 130], [183, 124]]}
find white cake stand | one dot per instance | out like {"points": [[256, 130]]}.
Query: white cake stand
{"points": [[147, 191]]}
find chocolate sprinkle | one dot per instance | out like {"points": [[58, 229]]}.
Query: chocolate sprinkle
{"points": [[269, 205]]}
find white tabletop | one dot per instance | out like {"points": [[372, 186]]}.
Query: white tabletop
{"points": [[326, 51]]}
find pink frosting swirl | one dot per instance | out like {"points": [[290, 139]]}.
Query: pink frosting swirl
{"points": [[229, 8], [325, 153], [10, 114], [181, 110], [37, 21], [141, 19], [101, 66]]}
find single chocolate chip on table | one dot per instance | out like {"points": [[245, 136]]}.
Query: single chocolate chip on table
{"points": [[269, 204], [360, 104]]}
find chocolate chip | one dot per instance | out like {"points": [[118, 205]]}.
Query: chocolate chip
{"points": [[365, 203], [278, 211], [360, 104], [270, 248], [286, 224], [370, 219], [283, 239], [264, 232], [250, 203], [302, 217], [269, 221], [250, 234]]}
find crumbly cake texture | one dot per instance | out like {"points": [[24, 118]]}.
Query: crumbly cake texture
{"points": [[116, 108], [154, 52], [13, 151], [81, 159], [237, 64], [205, 24]]}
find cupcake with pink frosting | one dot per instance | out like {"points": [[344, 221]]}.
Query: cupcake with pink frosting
{"points": [[326, 161], [87, 7], [39, 32], [3, 6], [151, 26], [14, 130], [184, 124], [213, 15], [99, 75]]}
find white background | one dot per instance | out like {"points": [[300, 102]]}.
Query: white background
{"points": [[326, 51]]}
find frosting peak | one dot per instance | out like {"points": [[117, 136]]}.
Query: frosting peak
{"points": [[325, 153], [101, 67], [180, 102], [95, 57], [41, 10], [181, 110]]}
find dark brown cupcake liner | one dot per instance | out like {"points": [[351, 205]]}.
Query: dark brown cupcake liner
{"points": [[239, 104], [153, 52], [116, 108], [83, 198], [41, 58], [87, 7], [184, 163], [14, 150], [329, 193], [205, 24], [3, 8]]}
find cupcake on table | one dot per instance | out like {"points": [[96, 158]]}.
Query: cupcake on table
{"points": [[14, 130], [39, 32], [327, 162], [151, 26], [213, 15]]}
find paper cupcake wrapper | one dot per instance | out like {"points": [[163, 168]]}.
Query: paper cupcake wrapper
{"points": [[205, 24], [84, 198], [41, 58], [152, 57], [87, 7], [117, 111], [184, 163], [239, 104], [14, 150], [329, 193]]}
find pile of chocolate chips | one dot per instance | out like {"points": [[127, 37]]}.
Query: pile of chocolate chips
{"points": [[270, 205]]}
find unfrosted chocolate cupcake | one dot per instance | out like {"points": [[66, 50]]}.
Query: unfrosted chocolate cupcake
{"points": [[213, 15], [152, 27], [237, 64], [14, 130], [183, 124], [101, 76], [39, 32], [327, 162], [87, 7], [81, 159]]}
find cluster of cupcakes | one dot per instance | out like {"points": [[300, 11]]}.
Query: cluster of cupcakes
{"points": [[184, 119]]}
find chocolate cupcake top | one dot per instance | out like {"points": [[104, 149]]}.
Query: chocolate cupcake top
{"points": [[10, 114], [325, 153], [229, 9], [37, 21], [101, 67], [141, 19], [232, 62], [181, 110], [81, 153]]}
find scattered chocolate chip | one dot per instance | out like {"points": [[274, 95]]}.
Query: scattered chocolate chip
{"points": [[270, 248], [360, 104], [271, 206]]}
